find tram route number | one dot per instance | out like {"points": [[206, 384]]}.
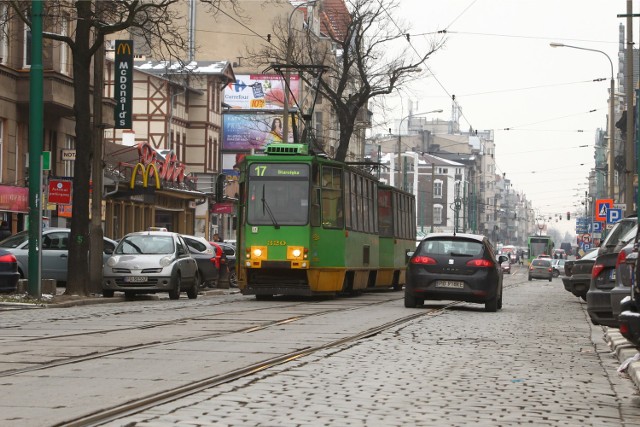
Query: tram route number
{"points": [[276, 243]]}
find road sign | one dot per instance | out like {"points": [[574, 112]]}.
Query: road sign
{"points": [[614, 215], [601, 208], [586, 246], [596, 227], [586, 238], [60, 191], [622, 206]]}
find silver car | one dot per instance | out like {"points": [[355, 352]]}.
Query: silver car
{"points": [[55, 253], [149, 262]]}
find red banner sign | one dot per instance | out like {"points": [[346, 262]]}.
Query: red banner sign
{"points": [[14, 199]]}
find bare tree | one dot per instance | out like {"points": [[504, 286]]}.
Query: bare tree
{"points": [[360, 48], [158, 23]]}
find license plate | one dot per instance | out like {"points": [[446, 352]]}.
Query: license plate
{"points": [[449, 284], [135, 279], [612, 275]]}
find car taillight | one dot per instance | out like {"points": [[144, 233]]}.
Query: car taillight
{"points": [[423, 260], [480, 263], [597, 269], [550, 270], [622, 257], [8, 258]]}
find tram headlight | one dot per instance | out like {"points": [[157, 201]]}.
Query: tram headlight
{"points": [[257, 252], [296, 252]]}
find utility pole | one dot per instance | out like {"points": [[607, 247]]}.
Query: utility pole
{"points": [[36, 115], [629, 147]]}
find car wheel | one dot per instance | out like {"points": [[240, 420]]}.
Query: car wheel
{"points": [[192, 293], [556, 273], [529, 278], [550, 278], [491, 305], [500, 300], [107, 293], [410, 300], [175, 292], [233, 279]]}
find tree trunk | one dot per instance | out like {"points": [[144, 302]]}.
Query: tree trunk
{"points": [[346, 131], [78, 262]]}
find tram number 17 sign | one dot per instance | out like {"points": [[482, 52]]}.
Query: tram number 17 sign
{"points": [[602, 205]]}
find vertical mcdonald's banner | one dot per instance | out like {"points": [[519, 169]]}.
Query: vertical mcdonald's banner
{"points": [[123, 84]]}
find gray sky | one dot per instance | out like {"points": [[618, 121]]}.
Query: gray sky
{"points": [[498, 63]]}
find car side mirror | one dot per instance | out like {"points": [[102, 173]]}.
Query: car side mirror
{"points": [[108, 251], [410, 254]]}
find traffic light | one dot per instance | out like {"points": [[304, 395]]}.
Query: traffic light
{"points": [[220, 187], [568, 216]]}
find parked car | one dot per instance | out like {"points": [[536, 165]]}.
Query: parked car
{"points": [[629, 318], [8, 271], [506, 267], [559, 254], [459, 267], [55, 253], [205, 255], [149, 262], [578, 274], [229, 260], [603, 274], [558, 266], [623, 276], [540, 268]]}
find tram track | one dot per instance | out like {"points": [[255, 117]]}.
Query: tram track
{"points": [[126, 409], [131, 348]]}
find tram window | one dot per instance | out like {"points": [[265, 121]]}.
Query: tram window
{"points": [[347, 200], [385, 216], [332, 210]]}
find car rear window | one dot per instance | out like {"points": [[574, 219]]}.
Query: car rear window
{"points": [[618, 231], [451, 247], [541, 263]]}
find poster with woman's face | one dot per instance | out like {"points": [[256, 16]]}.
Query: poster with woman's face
{"points": [[246, 131], [260, 92]]}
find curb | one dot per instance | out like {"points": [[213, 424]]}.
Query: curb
{"points": [[624, 350]]}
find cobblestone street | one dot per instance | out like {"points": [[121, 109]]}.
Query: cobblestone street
{"points": [[539, 361]]}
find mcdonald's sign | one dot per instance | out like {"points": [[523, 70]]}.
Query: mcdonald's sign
{"points": [[123, 84], [148, 171]]}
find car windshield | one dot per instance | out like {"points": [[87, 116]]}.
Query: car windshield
{"points": [[146, 245], [15, 240], [619, 230], [469, 248]]}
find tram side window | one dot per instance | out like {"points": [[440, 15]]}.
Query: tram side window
{"points": [[315, 197], [347, 199], [385, 216], [332, 209], [354, 202]]}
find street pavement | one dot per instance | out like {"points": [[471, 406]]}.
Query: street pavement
{"points": [[539, 361]]}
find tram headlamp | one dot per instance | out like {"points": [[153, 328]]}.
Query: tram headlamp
{"points": [[257, 252], [296, 252]]}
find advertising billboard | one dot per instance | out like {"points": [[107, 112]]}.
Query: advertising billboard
{"points": [[246, 131], [260, 92]]}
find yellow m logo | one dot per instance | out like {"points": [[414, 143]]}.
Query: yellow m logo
{"points": [[150, 169], [124, 49]]}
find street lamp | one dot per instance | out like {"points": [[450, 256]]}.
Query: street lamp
{"points": [[400, 169], [285, 104], [610, 130]]}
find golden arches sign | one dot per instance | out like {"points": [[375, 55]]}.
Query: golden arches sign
{"points": [[150, 169], [124, 48]]}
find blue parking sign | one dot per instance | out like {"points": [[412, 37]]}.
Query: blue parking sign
{"points": [[613, 215], [597, 227]]}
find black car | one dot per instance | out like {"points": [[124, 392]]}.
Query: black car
{"points": [[603, 274], [9, 274], [629, 318], [455, 266], [578, 274], [205, 255]]}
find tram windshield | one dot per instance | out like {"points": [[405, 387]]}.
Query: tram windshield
{"points": [[278, 195]]}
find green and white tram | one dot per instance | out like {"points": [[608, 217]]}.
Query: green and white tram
{"points": [[308, 225]]}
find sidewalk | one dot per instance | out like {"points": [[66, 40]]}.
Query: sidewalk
{"points": [[60, 300], [624, 350]]}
